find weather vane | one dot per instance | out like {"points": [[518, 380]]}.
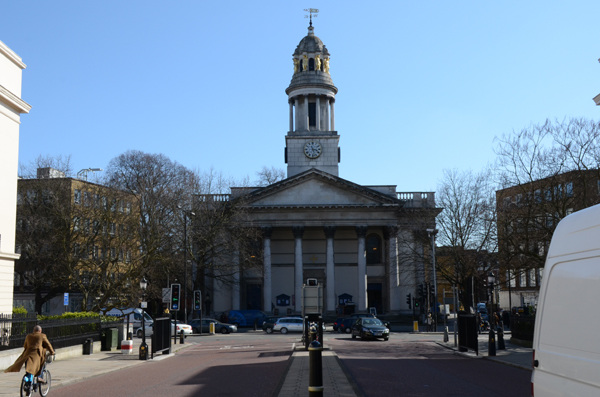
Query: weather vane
{"points": [[311, 11]]}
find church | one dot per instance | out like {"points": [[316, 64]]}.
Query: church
{"points": [[360, 243]]}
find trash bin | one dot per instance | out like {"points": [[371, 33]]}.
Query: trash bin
{"points": [[88, 346]]}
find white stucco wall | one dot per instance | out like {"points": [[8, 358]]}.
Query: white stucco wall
{"points": [[11, 106]]}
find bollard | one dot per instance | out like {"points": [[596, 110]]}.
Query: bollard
{"points": [[492, 343], [143, 351], [501, 345], [446, 334], [256, 325], [181, 338], [315, 381]]}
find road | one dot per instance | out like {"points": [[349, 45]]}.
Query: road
{"points": [[254, 364]]}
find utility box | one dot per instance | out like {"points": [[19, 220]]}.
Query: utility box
{"points": [[312, 298], [110, 339]]}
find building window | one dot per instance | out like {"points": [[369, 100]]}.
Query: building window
{"points": [[77, 196], [311, 64], [523, 279], [373, 249], [532, 278], [538, 195], [76, 224], [113, 229], [87, 199], [569, 189]]}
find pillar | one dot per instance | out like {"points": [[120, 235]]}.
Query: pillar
{"points": [[391, 235], [291, 114], [235, 288], [331, 116], [267, 287], [330, 269], [306, 118], [297, 111], [361, 233], [298, 267]]}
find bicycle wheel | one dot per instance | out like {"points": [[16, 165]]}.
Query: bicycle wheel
{"points": [[25, 388], [45, 386]]}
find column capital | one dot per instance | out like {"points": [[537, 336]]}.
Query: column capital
{"points": [[267, 231], [298, 231], [361, 231], [329, 231], [390, 231]]}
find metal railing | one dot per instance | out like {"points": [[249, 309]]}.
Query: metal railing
{"points": [[61, 332]]}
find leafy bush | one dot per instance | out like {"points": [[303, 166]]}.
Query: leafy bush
{"points": [[19, 310]]}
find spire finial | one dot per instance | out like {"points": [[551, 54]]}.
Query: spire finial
{"points": [[311, 11]]}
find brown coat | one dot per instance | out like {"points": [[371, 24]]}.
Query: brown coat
{"points": [[34, 354]]}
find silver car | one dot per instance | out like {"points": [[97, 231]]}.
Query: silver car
{"points": [[289, 324]]}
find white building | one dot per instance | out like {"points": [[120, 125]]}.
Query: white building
{"points": [[11, 108], [362, 243]]}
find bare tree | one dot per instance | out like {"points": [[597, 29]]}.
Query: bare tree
{"points": [[467, 229], [267, 176]]}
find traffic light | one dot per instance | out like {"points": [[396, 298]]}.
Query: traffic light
{"points": [[197, 300], [420, 291], [417, 303], [408, 300], [175, 292]]}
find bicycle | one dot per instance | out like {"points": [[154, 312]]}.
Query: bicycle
{"points": [[30, 383]]}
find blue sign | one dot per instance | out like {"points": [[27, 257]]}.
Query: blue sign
{"points": [[66, 299]]}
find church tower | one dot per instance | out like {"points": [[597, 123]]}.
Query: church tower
{"points": [[311, 141]]}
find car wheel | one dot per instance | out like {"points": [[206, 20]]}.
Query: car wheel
{"points": [[139, 333], [385, 339], [269, 330], [348, 330], [284, 330], [224, 330], [353, 336]]}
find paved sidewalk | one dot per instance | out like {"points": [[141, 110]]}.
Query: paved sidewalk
{"points": [[80, 367]]}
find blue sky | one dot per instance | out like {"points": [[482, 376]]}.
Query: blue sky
{"points": [[423, 86]]}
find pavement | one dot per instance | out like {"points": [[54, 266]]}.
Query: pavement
{"points": [[75, 367]]}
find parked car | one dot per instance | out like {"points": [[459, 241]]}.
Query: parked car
{"points": [[336, 324], [178, 326], [149, 331], [289, 324], [345, 325], [370, 328], [204, 326], [268, 324]]}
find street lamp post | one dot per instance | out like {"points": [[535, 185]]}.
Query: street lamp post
{"points": [[143, 346], [432, 233], [492, 340], [185, 249]]}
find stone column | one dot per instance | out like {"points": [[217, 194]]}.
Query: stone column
{"points": [[235, 288], [361, 233], [330, 269], [267, 287], [291, 115], [298, 267], [331, 115], [306, 118], [326, 115], [318, 113], [390, 233], [297, 111]]}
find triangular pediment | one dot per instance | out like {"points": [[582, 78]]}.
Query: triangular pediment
{"points": [[314, 188]]}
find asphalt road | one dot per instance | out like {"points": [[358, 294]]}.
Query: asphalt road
{"points": [[413, 366], [254, 364]]}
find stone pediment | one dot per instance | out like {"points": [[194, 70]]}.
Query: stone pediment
{"points": [[314, 188]]}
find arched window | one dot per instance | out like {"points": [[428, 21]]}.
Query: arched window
{"points": [[311, 64], [373, 249]]}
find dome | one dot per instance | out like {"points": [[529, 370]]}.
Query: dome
{"points": [[311, 44]]}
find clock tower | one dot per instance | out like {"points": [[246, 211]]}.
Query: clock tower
{"points": [[311, 141]]}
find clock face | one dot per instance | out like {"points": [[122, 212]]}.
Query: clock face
{"points": [[312, 149]]}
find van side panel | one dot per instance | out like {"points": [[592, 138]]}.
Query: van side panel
{"points": [[566, 337]]}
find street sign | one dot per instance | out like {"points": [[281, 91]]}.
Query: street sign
{"points": [[66, 299], [166, 295]]}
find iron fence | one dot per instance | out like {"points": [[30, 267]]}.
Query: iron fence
{"points": [[60, 332]]}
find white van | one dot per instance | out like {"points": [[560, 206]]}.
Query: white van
{"points": [[566, 348], [134, 315]]}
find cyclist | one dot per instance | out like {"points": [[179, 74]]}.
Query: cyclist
{"points": [[34, 354]]}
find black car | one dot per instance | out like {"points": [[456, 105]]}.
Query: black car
{"points": [[370, 328], [336, 323], [220, 327], [268, 324]]}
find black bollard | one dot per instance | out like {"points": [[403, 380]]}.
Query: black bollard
{"points": [[492, 343], [143, 351], [315, 381], [501, 345], [181, 337]]}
